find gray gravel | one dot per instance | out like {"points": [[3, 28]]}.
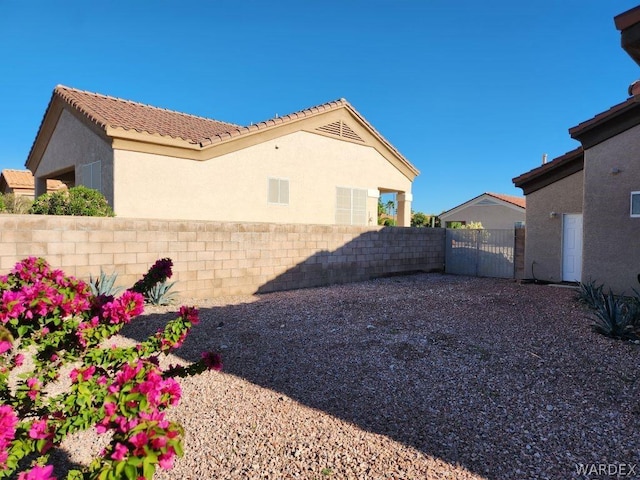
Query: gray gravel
{"points": [[423, 376]]}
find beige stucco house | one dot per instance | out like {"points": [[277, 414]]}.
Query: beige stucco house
{"points": [[321, 165], [493, 210], [583, 208]]}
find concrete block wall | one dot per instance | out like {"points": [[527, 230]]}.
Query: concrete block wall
{"points": [[217, 258]]}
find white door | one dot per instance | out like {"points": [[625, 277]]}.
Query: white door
{"points": [[572, 247]]}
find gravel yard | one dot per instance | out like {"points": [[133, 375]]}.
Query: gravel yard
{"points": [[416, 377]]}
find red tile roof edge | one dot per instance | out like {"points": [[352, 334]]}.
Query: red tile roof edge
{"points": [[552, 165], [517, 201], [627, 19], [63, 90], [271, 122], [630, 102]]}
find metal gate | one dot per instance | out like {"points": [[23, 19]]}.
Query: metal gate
{"points": [[480, 253]]}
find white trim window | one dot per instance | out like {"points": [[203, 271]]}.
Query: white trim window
{"points": [[278, 191], [635, 204], [351, 206], [92, 175]]}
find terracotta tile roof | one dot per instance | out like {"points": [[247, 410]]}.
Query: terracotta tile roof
{"points": [[548, 173], [115, 112], [23, 179], [107, 111], [616, 110], [517, 201]]}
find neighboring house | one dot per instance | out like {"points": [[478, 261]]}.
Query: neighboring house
{"points": [[322, 165], [22, 184], [583, 208], [493, 210]]}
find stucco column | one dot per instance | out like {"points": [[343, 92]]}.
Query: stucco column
{"points": [[404, 209], [373, 194]]}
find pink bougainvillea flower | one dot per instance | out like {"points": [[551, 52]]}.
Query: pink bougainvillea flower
{"points": [[212, 360], [39, 430], [38, 473], [109, 408], [139, 440], [119, 452], [166, 459], [18, 360], [5, 346], [190, 314]]}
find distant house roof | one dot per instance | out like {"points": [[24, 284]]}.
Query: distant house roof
{"points": [[557, 169], [518, 202], [127, 120], [23, 180]]}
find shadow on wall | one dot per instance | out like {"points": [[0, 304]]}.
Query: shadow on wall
{"points": [[386, 252]]}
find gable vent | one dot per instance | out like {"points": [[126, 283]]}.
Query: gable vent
{"points": [[340, 129]]}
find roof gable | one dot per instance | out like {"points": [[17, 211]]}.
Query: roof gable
{"points": [[488, 199], [143, 128]]}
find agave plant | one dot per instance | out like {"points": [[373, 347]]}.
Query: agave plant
{"points": [[104, 284], [591, 294], [615, 317], [159, 294]]}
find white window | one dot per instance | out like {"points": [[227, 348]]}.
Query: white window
{"points": [[635, 204], [92, 176], [351, 206], [278, 191]]}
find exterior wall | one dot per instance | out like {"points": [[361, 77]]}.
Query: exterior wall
{"points": [[233, 187], [543, 248], [73, 144], [611, 253], [497, 217], [213, 258]]}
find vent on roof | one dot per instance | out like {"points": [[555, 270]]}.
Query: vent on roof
{"points": [[340, 129]]}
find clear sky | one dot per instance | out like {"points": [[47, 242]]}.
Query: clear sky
{"points": [[472, 93]]}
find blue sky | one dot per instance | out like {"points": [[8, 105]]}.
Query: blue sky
{"points": [[472, 93]]}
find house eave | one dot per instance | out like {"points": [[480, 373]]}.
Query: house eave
{"points": [[606, 125], [559, 168], [629, 25]]}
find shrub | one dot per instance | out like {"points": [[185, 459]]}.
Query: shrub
{"points": [[77, 201], [56, 321], [615, 316], [18, 204]]}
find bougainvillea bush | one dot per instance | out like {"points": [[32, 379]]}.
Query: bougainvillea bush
{"points": [[48, 321]]}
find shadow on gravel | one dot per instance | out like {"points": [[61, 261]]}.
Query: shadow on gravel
{"points": [[503, 379]]}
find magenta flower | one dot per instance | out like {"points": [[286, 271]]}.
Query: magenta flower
{"points": [[38, 473], [212, 360], [119, 452], [110, 409], [8, 422], [5, 346], [18, 360], [139, 440], [190, 314], [166, 459], [39, 430]]}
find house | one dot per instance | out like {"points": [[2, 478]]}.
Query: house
{"points": [[493, 210], [322, 165], [22, 184], [583, 208]]}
